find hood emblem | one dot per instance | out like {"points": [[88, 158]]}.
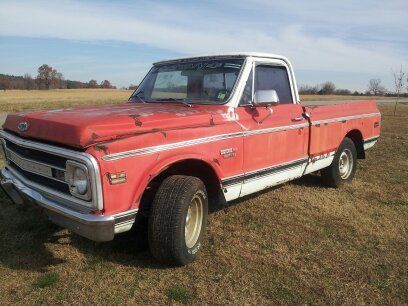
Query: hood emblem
{"points": [[23, 126]]}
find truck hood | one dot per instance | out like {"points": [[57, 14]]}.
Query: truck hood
{"points": [[84, 126]]}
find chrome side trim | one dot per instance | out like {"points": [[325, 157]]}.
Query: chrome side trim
{"points": [[182, 144], [277, 129], [345, 118], [262, 172], [188, 143], [86, 158], [371, 139], [176, 145]]}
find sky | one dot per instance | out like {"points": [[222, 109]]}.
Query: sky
{"points": [[347, 42]]}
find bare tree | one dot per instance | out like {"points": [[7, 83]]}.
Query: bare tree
{"points": [[5, 84], [399, 84], [93, 84], [106, 84], [28, 82], [309, 90], [328, 88], [375, 87]]}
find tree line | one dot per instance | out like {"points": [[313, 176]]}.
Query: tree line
{"points": [[47, 78], [374, 88]]}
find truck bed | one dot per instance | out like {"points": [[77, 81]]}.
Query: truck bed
{"points": [[329, 124]]}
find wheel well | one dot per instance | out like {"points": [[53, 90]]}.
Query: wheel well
{"points": [[190, 167], [357, 138]]}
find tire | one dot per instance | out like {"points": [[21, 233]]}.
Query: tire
{"points": [[344, 165], [175, 238]]}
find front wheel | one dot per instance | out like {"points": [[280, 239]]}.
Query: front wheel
{"points": [[344, 165], [178, 220]]}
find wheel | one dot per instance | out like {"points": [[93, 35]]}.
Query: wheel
{"points": [[344, 165], [177, 220]]}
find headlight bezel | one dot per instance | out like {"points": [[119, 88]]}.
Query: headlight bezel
{"points": [[71, 166]]}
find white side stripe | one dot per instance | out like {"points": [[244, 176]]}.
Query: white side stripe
{"points": [[345, 118], [187, 143], [182, 144]]}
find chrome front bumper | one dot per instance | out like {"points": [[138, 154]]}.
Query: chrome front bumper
{"points": [[93, 227]]}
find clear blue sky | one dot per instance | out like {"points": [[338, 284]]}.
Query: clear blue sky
{"points": [[347, 42]]}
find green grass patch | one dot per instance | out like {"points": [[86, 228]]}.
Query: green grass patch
{"points": [[94, 261], [179, 294], [46, 280]]}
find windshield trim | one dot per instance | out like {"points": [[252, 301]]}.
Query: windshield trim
{"points": [[231, 96]]}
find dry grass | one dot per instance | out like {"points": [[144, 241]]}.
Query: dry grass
{"points": [[301, 243], [18, 100], [338, 97]]}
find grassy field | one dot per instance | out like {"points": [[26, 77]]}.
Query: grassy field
{"points": [[21, 100], [301, 243]]}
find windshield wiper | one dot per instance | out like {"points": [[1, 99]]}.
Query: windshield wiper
{"points": [[184, 101]]}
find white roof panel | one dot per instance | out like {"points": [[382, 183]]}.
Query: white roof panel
{"points": [[234, 54]]}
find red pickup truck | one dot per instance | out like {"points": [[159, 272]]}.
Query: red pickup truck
{"points": [[198, 131]]}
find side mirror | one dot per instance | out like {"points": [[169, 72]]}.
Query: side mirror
{"points": [[268, 97]]}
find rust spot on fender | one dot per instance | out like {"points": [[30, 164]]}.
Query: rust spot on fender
{"points": [[136, 119], [95, 136], [212, 123], [160, 131], [101, 147], [215, 160]]}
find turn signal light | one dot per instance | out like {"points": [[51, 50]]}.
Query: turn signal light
{"points": [[117, 178]]}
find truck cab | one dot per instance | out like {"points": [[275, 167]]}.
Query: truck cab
{"points": [[197, 131]]}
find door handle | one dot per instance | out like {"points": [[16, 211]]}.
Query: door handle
{"points": [[300, 118]]}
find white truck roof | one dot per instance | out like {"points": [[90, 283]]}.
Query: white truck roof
{"points": [[232, 54]]}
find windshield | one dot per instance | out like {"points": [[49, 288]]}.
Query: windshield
{"points": [[209, 81]]}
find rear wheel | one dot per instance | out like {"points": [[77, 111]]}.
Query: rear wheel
{"points": [[344, 165], [178, 219]]}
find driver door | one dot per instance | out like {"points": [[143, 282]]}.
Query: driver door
{"points": [[276, 134]]}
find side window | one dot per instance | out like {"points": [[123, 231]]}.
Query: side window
{"points": [[246, 97], [276, 78]]}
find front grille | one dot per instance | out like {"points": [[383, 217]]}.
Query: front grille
{"points": [[38, 167], [43, 157], [43, 168], [42, 180]]}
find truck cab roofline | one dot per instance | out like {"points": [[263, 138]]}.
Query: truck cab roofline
{"points": [[223, 55]]}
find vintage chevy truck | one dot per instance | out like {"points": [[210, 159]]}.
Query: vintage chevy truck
{"points": [[198, 131]]}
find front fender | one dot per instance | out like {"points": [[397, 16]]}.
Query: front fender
{"points": [[164, 163]]}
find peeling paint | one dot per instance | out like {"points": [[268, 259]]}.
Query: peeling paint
{"points": [[95, 136], [212, 120], [101, 147], [136, 119], [160, 131]]}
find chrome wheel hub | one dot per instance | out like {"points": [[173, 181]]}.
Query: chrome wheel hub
{"points": [[194, 220], [345, 164]]}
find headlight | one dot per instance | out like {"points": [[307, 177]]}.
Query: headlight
{"points": [[78, 179]]}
